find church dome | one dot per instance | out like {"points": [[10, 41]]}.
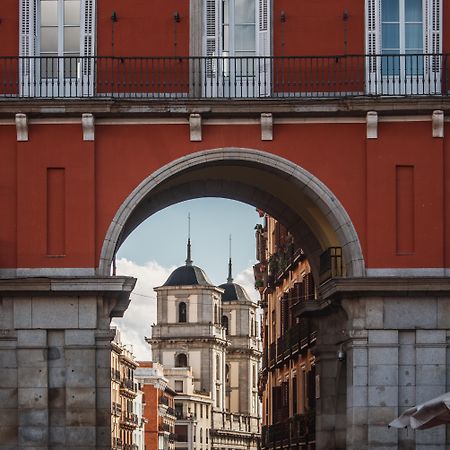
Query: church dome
{"points": [[188, 276], [234, 292]]}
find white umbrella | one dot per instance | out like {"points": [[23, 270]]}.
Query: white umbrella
{"points": [[426, 415]]}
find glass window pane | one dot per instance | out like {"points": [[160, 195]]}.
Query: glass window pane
{"points": [[413, 36], [244, 11], [391, 35], [49, 12], [71, 64], [72, 12], [71, 39], [49, 39], [390, 65], [413, 10], [390, 10], [49, 66], [245, 38], [414, 65]]}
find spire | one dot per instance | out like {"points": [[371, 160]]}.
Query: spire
{"points": [[188, 258], [230, 277]]}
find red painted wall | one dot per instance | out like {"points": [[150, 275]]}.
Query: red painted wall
{"points": [[314, 27], [144, 28], [9, 28], [100, 175]]}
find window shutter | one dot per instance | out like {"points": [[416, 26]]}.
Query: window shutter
{"points": [[87, 45], [211, 23], [87, 27], [263, 44], [433, 26], [263, 47], [373, 44], [27, 27]]}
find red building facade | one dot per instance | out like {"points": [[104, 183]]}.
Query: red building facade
{"points": [[329, 116]]}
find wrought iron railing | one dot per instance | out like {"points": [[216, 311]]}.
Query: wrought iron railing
{"points": [[219, 77]]}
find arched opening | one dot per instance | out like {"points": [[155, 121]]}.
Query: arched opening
{"points": [[225, 323], [295, 197], [298, 200], [181, 360]]}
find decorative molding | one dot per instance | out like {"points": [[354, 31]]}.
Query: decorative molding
{"points": [[88, 125], [437, 120], [195, 125], [22, 127], [372, 124], [266, 127]]}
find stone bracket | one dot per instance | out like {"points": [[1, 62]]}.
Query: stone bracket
{"points": [[22, 127], [372, 125], [437, 120], [266, 127], [88, 125], [195, 125]]}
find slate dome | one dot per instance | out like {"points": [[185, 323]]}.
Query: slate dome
{"points": [[187, 276]]}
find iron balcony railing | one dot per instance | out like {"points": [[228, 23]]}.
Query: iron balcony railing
{"points": [[218, 77]]}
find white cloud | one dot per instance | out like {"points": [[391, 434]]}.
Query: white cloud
{"points": [[135, 325], [141, 313], [247, 281]]}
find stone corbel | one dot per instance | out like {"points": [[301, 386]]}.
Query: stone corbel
{"points": [[195, 125], [266, 127], [372, 125], [22, 127], [88, 125], [437, 120]]}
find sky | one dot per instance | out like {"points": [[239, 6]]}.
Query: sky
{"points": [[158, 246]]}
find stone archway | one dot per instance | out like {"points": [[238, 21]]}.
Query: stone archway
{"points": [[283, 189]]}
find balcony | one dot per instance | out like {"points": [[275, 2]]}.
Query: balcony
{"points": [[129, 420], [116, 409], [218, 78], [128, 388], [298, 430]]}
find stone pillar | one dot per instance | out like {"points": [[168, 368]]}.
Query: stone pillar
{"points": [[55, 361]]}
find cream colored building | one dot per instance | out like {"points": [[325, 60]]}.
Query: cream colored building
{"points": [[126, 416], [207, 339]]}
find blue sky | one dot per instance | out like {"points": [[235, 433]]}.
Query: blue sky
{"points": [[163, 236], [158, 246]]}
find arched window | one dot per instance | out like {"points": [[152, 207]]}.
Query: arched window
{"points": [[182, 312], [225, 323], [181, 360]]}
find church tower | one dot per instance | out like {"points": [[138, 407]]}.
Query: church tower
{"points": [[240, 320], [190, 342]]}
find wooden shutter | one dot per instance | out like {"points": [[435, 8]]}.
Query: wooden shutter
{"points": [[373, 43], [432, 32], [211, 24], [27, 27], [87, 45], [263, 46]]}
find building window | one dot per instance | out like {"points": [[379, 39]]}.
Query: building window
{"points": [[53, 29], [182, 312], [407, 34], [402, 33], [178, 385], [218, 368], [181, 360], [225, 323]]}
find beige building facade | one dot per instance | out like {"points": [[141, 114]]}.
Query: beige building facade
{"points": [[207, 338]]}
